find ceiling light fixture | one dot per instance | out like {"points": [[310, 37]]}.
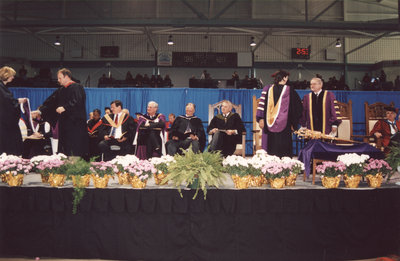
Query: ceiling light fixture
{"points": [[252, 43], [338, 43], [170, 42], [57, 42]]}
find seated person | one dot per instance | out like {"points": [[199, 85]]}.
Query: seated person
{"points": [[118, 131], [387, 128], [227, 129], [185, 131], [37, 141], [168, 124], [93, 127], [150, 133]]}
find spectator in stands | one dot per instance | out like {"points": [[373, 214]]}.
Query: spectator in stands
{"points": [[117, 130], [205, 75], [146, 80], [22, 72], [139, 80], [129, 78], [366, 82], [397, 83], [150, 133], [185, 131], [226, 130], [102, 80], [153, 81], [167, 81], [159, 81], [382, 76]]}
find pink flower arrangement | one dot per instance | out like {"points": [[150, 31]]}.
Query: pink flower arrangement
{"points": [[375, 166], [50, 166], [331, 169], [103, 168], [142, 169], [15, 165], [276, 169]]}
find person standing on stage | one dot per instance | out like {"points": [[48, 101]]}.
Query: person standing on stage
{"points": [[66, 109], [10, 113], [320, 110], [278, 114], [186, 130], [226, 130], [387, 128]]}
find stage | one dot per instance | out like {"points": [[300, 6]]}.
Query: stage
{"points": [[305, 222]]}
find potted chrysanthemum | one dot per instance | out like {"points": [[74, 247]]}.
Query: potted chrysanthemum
{"points": [[53, 171], [330, 173], [375, 170], [354, 168], [259, 160], [46, 164], [122, 162], [140, 172], [13, 168], [239, 170], [161, 164], [101, 172], [296, 167], [277, 173]]}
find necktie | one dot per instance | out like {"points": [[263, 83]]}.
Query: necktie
{"points": [[114, 129]]}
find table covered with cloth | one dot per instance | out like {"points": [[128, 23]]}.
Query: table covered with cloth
{"points": [[329, 151]]}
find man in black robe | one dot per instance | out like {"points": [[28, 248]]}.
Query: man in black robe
{"points": [[93, 127], [227, 129], [185, 131], [118, 131], [67, 106]]}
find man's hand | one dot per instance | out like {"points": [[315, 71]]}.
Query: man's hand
{"points": [[22, 100], [261, 123], [147, 124], [121, 139], [213, 131], [194, 137], [230, 132], [378, 134], [175, 138], [106, 137], [60, 110]]}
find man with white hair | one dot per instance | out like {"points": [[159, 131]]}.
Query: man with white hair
{"points": [[226, 130], [150, 137]]}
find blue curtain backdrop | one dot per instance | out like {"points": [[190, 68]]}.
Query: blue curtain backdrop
{"points": [[173, 100]]}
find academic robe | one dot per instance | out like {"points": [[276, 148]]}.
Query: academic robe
{"points": [[150, 140], [10, 113], [319, 114], [285, 116], [35, 147], [383, 127], [181, 125], [72, 133], [93, 127], [232, 122]]}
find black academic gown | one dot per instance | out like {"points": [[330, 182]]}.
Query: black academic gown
{"points": [[180, 126], [72, 133], [232, 122], [10, 112], [280, 143]]}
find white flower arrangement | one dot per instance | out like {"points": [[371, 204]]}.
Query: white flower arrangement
{"points": [[237, 165], [125, 160], [162, 163], [354, 163]]}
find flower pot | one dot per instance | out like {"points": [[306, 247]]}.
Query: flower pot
{"points": [[291, 180], [159, 177], [374, 181], [264, 179], [15, 180], [277, 182], [56, 180], [3, 178], [45, 178], [137, 183], [81, 181], [352, 181], [330, 182], [256, 181], [241, 182], [100, 182], [124, 178]]}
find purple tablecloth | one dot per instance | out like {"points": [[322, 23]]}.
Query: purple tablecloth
{"points": [[329, 151]]}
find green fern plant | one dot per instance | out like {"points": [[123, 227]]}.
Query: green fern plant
{"points": [[199, 169]]}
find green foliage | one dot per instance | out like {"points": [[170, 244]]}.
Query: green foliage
{"points": [[77, 167], [205, 168], [77, 194], [393, 157]]}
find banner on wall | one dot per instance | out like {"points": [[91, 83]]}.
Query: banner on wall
{"points": [[164, 58]]}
